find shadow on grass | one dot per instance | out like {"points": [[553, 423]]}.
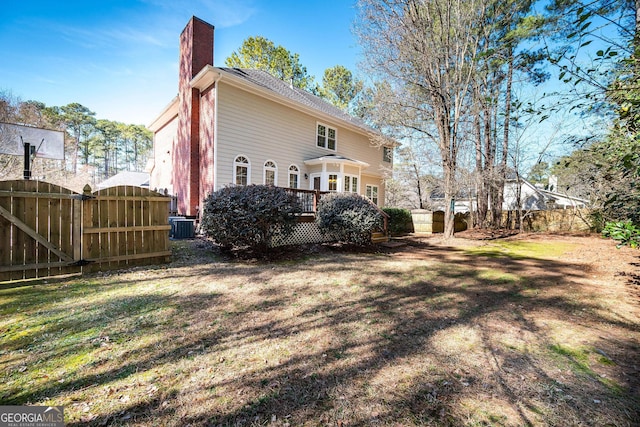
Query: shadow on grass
{"points": [[415, 344]]}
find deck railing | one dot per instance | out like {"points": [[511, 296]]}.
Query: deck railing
{"points": [[308, 198], [309, 201]]}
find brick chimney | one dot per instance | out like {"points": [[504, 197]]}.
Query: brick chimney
{"points": [[196, 51]]}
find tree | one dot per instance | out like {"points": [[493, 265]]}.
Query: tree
{"points": [[79, 121], [425, 50], [340, 87], [539, 173], [609, 85], [107, 136], [503, 28], [262, 54]]}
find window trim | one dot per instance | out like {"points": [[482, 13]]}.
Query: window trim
{"points": [[387, 158], [350, 178], [325, 146], [246, 164], [273, 168], [295, 173], [336, 182], [368, 193]]}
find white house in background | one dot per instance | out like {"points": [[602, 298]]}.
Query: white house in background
{"points": [[136, 179], [531, 198]]}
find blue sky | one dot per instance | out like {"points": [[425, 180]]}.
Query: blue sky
{"points": [[120, 57]]}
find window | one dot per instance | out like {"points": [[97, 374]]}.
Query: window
{"points": [[387, 154], [372, 193], [294, 176], [350, 184], [326, 137], [333, 182], [270, 173], [241, 170]]}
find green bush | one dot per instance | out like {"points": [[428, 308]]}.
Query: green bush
{"points": [[624, 232], [348, 217], [400, 221], [249, 216]]}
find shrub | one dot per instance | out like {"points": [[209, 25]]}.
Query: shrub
{"points": [[624, 232], [249, 216], [400, 221], [349, 217]]}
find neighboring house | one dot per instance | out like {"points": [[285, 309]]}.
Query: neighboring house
{"points": [[137, 179], [531, 198], [230, 126]]}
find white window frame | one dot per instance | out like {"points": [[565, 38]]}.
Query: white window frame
{"points": [[369, 193], [294, 170], [325, 137], [246, 165], [349, 183], [270, 166], [387, 154], [336, 182]]}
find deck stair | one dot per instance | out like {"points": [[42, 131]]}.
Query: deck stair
{"points": [[379, 237]]}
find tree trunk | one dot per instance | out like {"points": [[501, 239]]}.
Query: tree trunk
{"points": [[505, 144], [481, 193], [449, 194], [419, 187]]}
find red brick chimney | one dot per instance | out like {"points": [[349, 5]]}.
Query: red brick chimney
{"points": [[196, 51]]}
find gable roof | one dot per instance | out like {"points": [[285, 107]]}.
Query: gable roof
{"points": [[136, 179], [335, 158], [268, 86], [264, 84], [265, 80]]}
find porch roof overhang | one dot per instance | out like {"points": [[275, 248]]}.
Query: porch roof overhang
{"points": [[334, 158]]}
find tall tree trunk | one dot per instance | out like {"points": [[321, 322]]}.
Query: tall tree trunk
{"points": [[419, 187], [481, 194], [502, 178], [448, 152], [489, 167]]}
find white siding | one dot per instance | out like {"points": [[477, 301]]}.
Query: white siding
{"points": [[163, 156], [262, 129]]}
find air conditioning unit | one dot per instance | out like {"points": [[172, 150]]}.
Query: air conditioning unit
{"points": [[183, 228]]}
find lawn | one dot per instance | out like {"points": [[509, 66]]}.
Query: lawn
{"points": [[535, 330]]}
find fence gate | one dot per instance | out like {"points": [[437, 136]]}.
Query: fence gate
{"points": [[39, 230], [47, 230]]}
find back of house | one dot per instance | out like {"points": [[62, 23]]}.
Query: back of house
{"points": [[231, 126]]}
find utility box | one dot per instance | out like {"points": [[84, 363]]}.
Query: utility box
{"points": [[171, 220], [183, 228]]}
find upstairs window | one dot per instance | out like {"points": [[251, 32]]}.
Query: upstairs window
{"points": [[270, 173], [241, 171], [326, 137], [387, 154]]}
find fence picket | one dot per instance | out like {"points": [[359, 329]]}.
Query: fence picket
{"points": [[47, 230]]}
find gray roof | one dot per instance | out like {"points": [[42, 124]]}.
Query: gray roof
{"points": [[267, 81], [136, 179]]}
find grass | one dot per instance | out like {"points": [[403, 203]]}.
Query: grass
{"points": [[508, 334], [521, 249]]}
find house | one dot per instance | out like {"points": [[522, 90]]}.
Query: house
{"points": [[533, 198], [230, 126], [137, 179], [518, 194]]}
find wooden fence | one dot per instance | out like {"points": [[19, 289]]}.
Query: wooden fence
{"points": [[47, 230]]}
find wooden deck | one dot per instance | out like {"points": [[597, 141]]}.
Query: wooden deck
{"points": [[309, 201]]}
